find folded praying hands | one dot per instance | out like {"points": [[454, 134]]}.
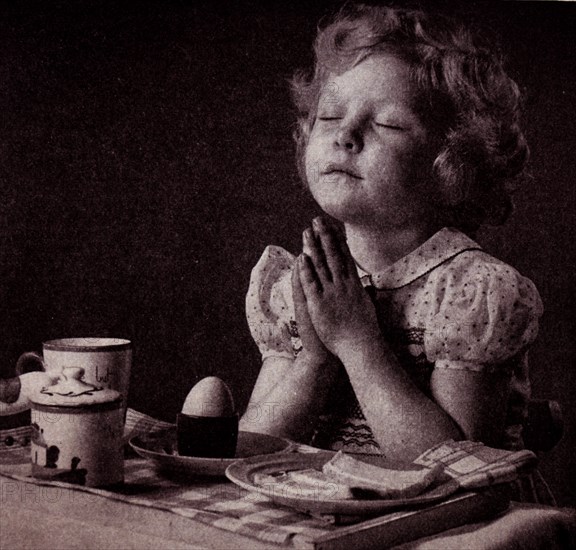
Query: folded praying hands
{"points": [[333, 311]]}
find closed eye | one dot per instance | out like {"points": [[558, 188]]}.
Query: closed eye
{"points": [[389, 126], [328, 118]]}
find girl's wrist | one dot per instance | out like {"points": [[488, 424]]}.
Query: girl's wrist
{"points": [[325, 362], [370, 346], [313, 358]]}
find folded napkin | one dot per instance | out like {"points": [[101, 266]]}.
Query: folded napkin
{"points": [[473, 465]]}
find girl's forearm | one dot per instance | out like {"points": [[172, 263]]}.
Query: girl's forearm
{"points": [[405, 422], [292, 405]]}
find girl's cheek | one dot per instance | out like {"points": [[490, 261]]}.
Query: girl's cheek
{"points": [[310, 162], [317, 146]]}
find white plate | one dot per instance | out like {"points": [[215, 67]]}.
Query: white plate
{"points": [[242, 473], [161, 449]]}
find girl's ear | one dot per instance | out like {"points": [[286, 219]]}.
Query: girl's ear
{"points": [[306, 126]]}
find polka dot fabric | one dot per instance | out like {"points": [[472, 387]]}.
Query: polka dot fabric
{"points": [[269, 306], [487, 314], [475, 312]]}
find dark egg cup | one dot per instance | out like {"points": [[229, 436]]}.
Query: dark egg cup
{"points": [[207, 436]]}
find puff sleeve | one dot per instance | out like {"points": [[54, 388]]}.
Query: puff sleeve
{"points": [[485, 314], [269, 306]]}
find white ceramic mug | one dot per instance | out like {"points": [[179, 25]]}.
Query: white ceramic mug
{"points": [[106, 361]]}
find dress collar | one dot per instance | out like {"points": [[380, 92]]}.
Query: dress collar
{"points": [[441, 247]]}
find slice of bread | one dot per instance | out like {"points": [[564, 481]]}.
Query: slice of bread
{"points": [[384, 482]]}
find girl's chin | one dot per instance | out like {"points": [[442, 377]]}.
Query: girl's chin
{"points": [[338, 203], [362, 217], [344, 213]]}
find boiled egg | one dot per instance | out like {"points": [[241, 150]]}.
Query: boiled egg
{"points": [[209, 397]]}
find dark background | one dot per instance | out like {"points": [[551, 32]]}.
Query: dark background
{"points": [[146, 161]]}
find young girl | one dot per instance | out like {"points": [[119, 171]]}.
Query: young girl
{"points": [[398, 331]]}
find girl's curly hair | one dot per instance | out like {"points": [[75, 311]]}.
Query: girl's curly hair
{"points": [[465, 94]]}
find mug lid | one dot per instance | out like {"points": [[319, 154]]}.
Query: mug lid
{"points": [[72, 391]]}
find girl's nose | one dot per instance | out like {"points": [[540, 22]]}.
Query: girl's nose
{"points": [[350, 139]]}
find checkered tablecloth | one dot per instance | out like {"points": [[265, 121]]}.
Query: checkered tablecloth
{"points": [[224, 505], [215, 502]]}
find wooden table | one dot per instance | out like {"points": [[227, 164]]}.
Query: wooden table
{"points": [[35, 516], [142, 515]]}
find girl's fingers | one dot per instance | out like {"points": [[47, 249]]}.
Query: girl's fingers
{"points": [[299, 298], [345, 254], [335, 259], [297, 292], [309, 280], [315, 253]]}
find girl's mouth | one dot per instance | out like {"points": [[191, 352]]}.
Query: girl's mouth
{"points": [[341, 169]]}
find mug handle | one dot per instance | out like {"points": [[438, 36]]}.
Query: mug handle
{"points": [[28, 362]]}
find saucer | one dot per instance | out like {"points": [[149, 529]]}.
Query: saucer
{"points": [[160, 447]]}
